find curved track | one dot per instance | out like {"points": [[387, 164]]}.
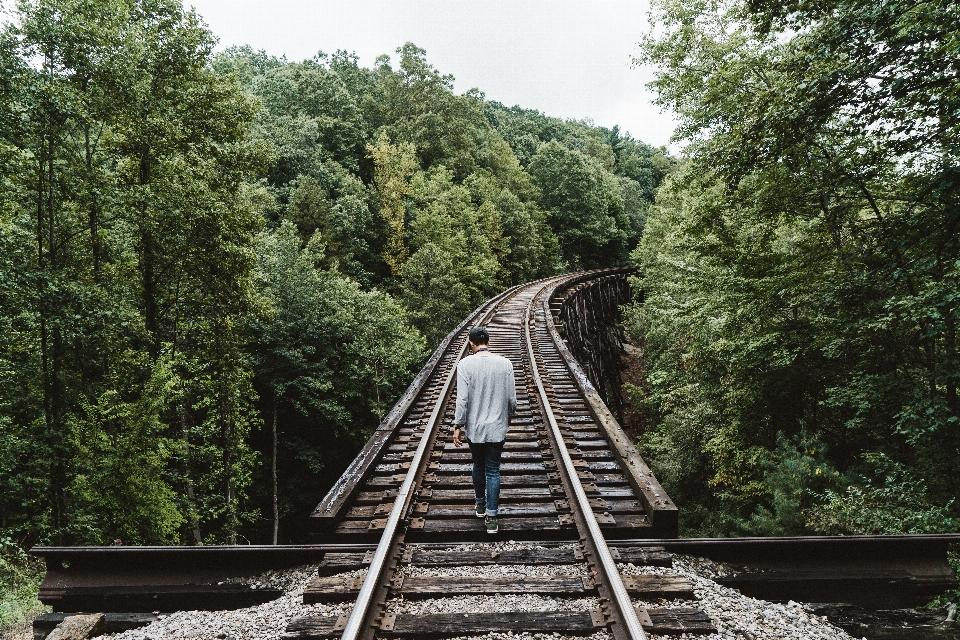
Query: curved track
{"points": [[564, 492], [585, 528]]}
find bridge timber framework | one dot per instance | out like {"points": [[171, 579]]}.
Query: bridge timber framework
{"points": [[576, 497]]}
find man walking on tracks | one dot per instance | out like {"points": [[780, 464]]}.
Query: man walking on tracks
{"points": [[486, 398]]}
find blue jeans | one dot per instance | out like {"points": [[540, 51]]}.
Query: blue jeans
{"points": [[486, 473]]}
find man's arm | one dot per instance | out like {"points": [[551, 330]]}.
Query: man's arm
{"points": [[460, 413], [511, 393]]}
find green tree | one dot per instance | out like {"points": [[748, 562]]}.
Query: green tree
{"points": [[128, 155], [329, 359], [812, 239], [453, 267], [394, 164], [583, 201]]}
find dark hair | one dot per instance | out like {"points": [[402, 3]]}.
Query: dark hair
{"points": [[479, 335]]}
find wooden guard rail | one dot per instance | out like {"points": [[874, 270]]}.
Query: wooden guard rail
{"points": [[587, 311], [613, 288]]}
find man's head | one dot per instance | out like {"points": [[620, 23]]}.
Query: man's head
{"points": [[479, 336]]}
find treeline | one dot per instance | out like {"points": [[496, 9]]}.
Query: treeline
{"points": [[801, 270], [214, 265]]}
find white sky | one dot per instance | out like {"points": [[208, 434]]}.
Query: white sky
{"points": [[566, 58]]}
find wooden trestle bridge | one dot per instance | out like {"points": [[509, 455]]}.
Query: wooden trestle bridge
{"points": [[574, 490]]}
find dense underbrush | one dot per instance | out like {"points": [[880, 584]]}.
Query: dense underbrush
{"points": [[20, 577]]}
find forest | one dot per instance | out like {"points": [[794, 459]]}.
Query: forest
{"points": [[218, 269], [801, 269]]}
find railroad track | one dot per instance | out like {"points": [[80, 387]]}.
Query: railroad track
{"points": [[585, 529], [571, 486]]}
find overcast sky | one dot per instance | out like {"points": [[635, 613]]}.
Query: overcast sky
{"points": [[566, 58]]}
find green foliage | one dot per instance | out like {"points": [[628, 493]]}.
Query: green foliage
{"points": [[328, 358], [887, 499], [793, 473], [20, 577], [125, 494], [195, 248], [132, 248], [800, 272], [583, 202], [453, 267]]}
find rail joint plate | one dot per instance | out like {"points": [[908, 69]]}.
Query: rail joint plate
{"points": [[598, 618], [387, 622]]}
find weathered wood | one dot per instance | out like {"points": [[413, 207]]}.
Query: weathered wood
{"points": [[596, 454], [505, 510], [334, 563], [633, 524], [429, 587], [668, 586], [438, 625], [512, 445], [314, 628], [433, 558], [357, 526], [607, 479], [605, 466], [643, 556], [663, 513], [332, 589], [662, 620], [463, 457], [506, 525], [463, 480], [112, 622], [339, 588], [450, 624], [506, 469], [590, 442], [123, 599], [362, 511], [447, 624], [453, 496], [622, 491], [473, 529]]}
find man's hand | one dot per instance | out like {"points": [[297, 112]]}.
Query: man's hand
{"points": [[456, 437]]}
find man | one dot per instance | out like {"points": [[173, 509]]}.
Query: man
{"points": [[486, 398]]}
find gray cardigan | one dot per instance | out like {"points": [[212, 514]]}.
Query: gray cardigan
{"points": [[486, 396]]}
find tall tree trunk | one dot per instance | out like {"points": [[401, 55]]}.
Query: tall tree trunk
{"points": [[225, 408], [191, 502], [952, 436], [93, 215], [50, 434], [94, 207], [276, 511], [148, 253], [57, 435]]}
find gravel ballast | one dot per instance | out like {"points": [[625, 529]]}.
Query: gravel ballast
{"points": [[736, 617]]}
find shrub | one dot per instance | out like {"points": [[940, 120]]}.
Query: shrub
{"points": [[886, 499], [20, 577]]}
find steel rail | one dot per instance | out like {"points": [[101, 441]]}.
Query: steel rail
{"points": [[358, 615], [620, 596]]}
